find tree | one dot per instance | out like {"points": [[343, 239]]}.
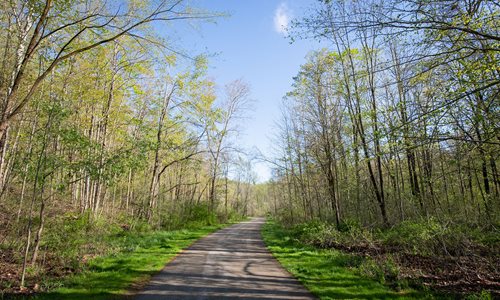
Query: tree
{"points": [[402, 108], [50, 32], [220, 126]]}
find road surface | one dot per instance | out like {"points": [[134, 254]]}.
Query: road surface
{"points": [[232, 263]]}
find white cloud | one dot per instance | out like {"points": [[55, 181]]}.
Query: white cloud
{"points": [[282, 17]]}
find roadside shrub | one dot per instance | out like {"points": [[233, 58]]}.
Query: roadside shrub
{"points": [[430, 237], [315, 232], [385, 272], [484, 295], [187, 217], [199, 214], [326, 235], [232, 216], [73, 238], [141, 226], [349, 225], [415, 237]]}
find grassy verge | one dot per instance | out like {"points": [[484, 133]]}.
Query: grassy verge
{"points": [[330, 274], [137, 258]]}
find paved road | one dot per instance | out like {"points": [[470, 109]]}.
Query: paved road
{"points": [[232, 263]]}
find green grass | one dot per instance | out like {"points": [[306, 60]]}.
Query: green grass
{"points": [[327, 273], [139, 257]]}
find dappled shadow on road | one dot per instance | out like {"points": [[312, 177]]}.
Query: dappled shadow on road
{"points": [[230, 264]]}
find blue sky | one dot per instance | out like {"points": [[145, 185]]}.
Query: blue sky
{"points": [[250, 45]]}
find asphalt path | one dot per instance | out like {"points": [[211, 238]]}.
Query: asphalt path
{"points": [[232, 263]]}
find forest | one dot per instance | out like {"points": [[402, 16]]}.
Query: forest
{"points": [[100, 121], [387, 145], [388, 141]]}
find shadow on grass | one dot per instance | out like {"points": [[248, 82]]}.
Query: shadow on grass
{"points": [[57, 295], [329, 274], [116, 275], [107, 282]]}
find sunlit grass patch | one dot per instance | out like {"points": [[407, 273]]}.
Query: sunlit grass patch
{"points": [[328, 273], [140, 256]]}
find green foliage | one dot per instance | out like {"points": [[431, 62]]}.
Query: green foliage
{"points": [[231, 217], [383, 248], [136, 256], [331, 274], [431, 237], [484, 295], [385, 272], [423, 237], [427, 237], [72, 239], [81, 134], [324, 234], [194, 216]]}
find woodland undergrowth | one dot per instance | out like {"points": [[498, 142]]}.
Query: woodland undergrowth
{"points": [[452, 258], [74, 242]]}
